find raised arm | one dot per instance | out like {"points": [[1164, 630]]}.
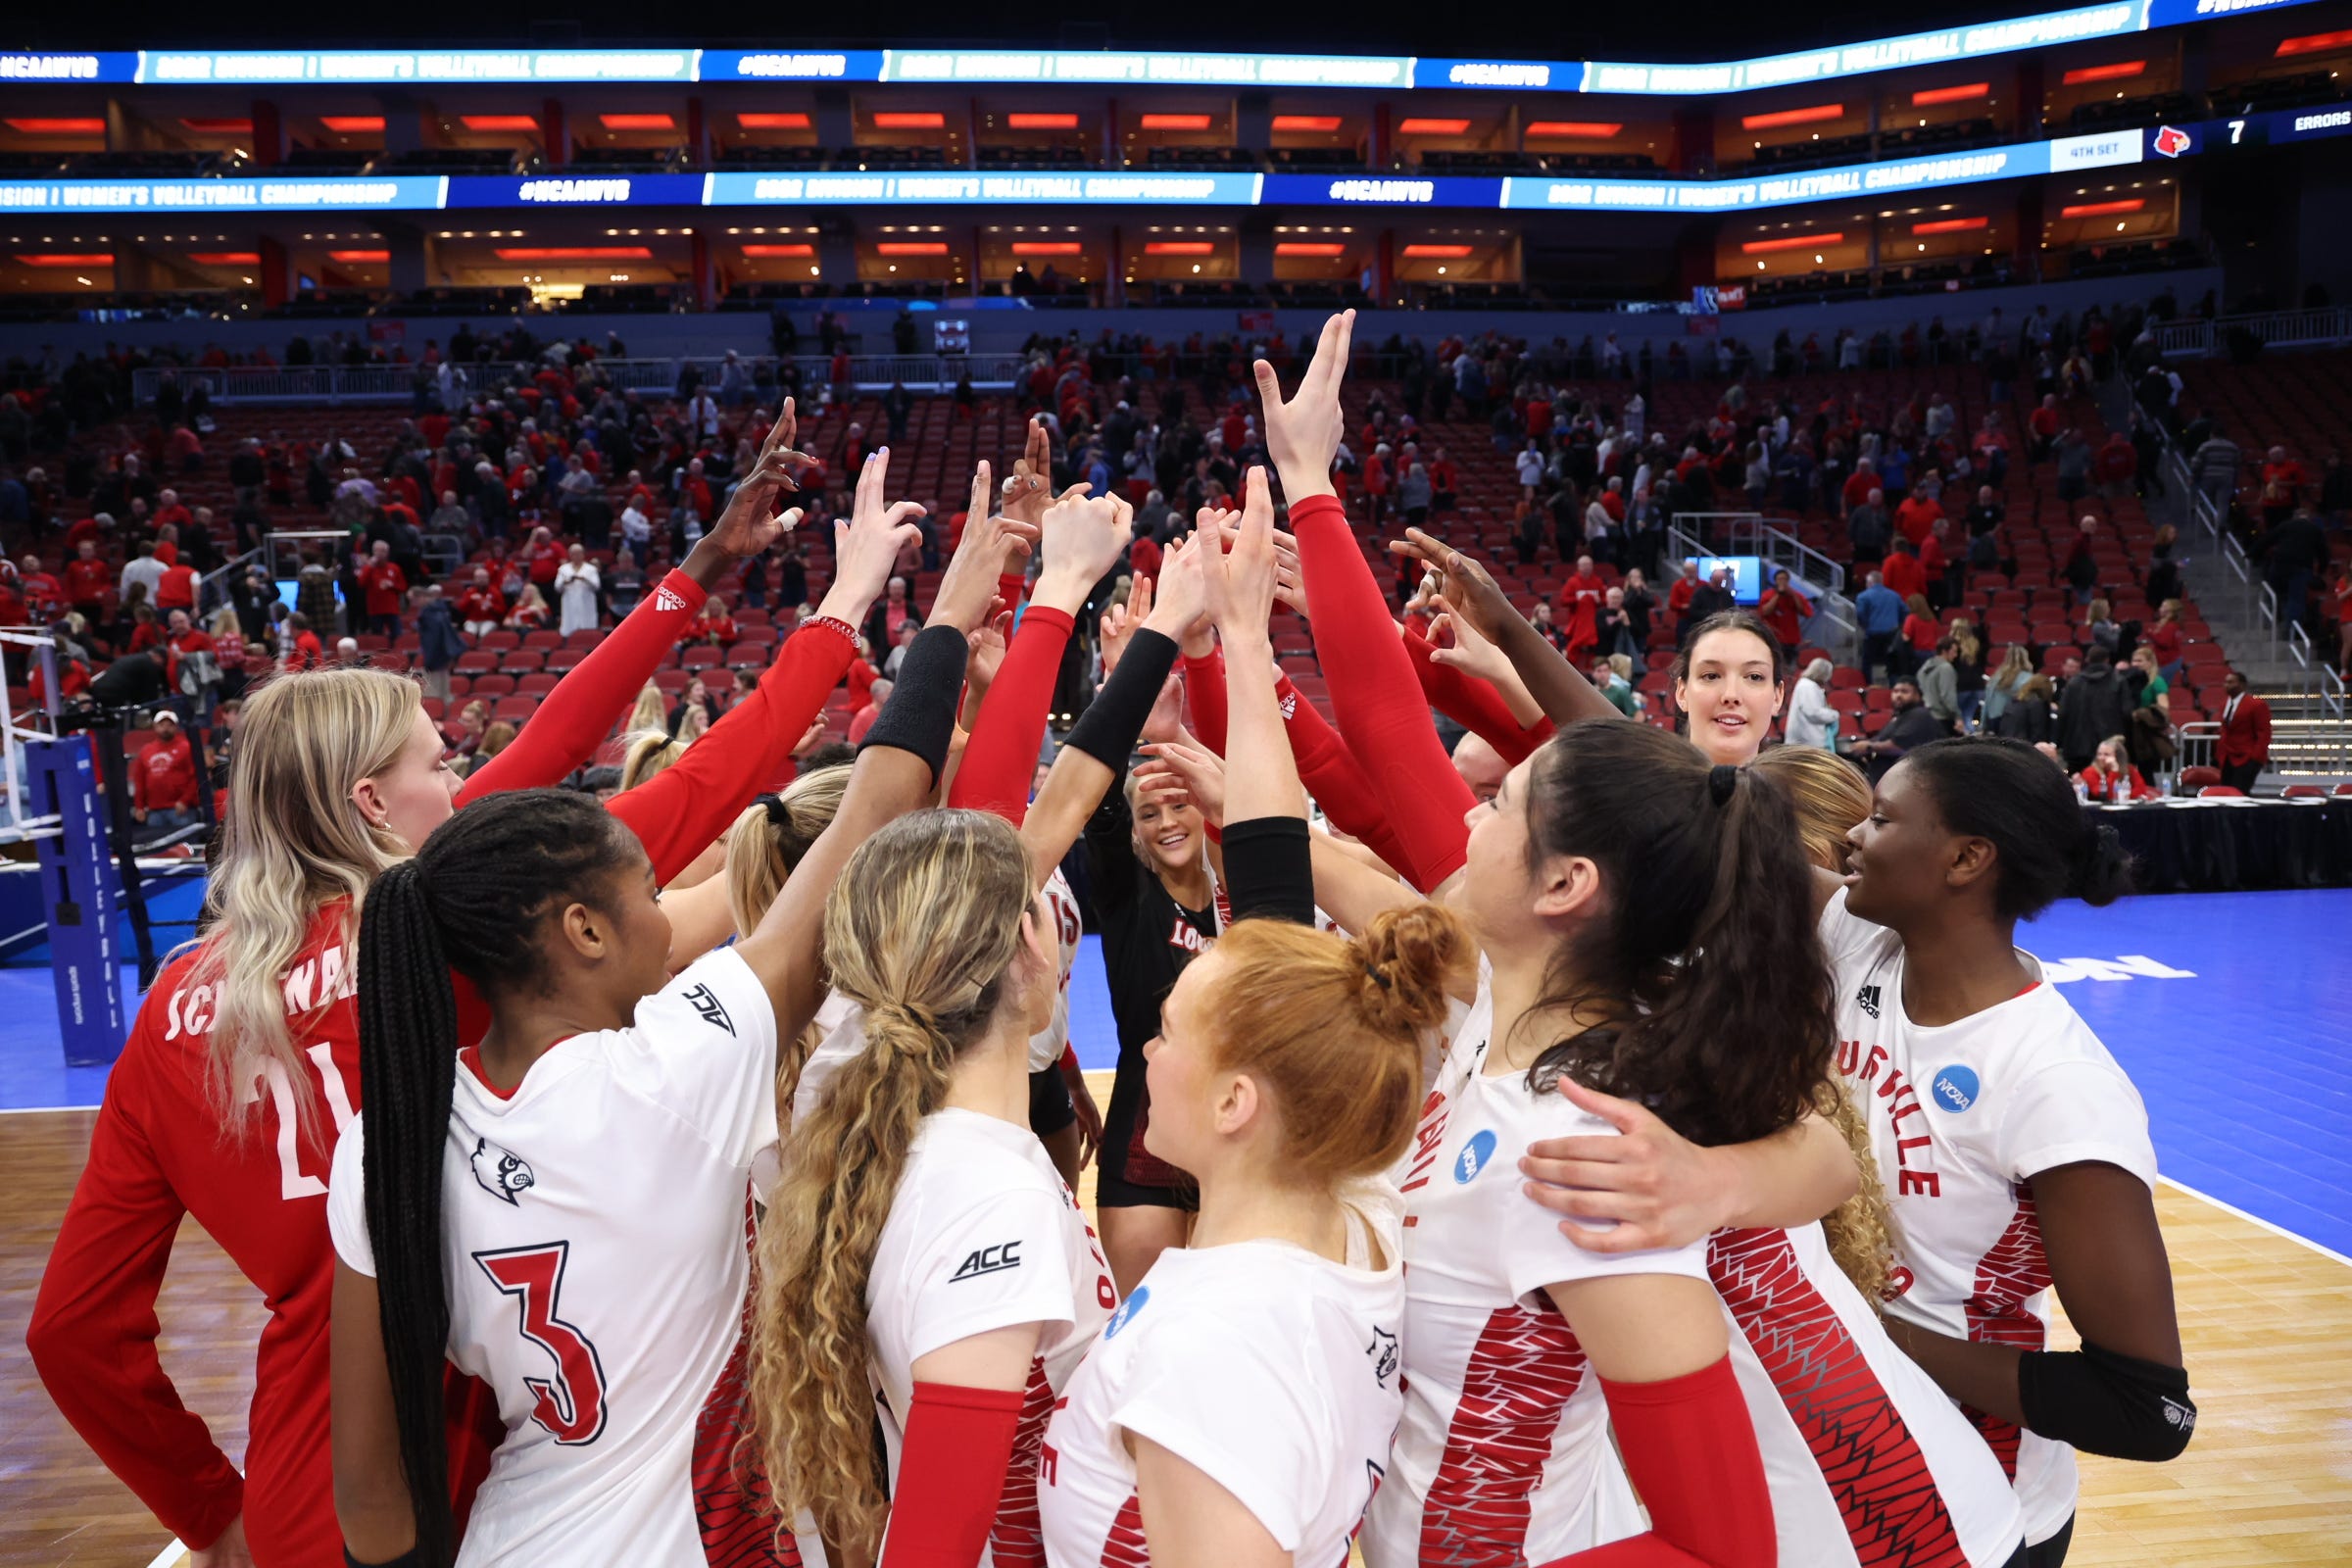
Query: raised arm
{"points": [[682, 810], [580, 712], [1469, 592]]}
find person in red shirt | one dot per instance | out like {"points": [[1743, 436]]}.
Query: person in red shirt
{"points": [[243, 1069], [864, 720], [1860, 483], [306, 650], [384, 583], [546, 558], [73, 677], [2111, 779], [1444, 480], [2115, 465], [1786, 611], [87, 579], [169, 513], [481, 608], [43, 595], [2045, 423], [1915, 518], [176, 588], [182, 638], [1903, 570], [163, 781], [713, 626], [1581, 599], [2282, 482]]}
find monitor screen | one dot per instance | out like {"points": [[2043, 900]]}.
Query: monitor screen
{"points": [[1747, 574]]}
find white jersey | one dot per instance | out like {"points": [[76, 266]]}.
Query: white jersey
{"points": [[1504, 1431], [984, 1235], [841, 1022], [594, 1243], [1962, 1116], [1504, 1456], [1273, 1371]]}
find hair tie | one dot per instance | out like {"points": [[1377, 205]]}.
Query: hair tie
{"points": [[778, 814], [1722, 779], [1378, 979]]}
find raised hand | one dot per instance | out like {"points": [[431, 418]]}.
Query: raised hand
{"points": [[1030, 488], [1465, 588], [1303, 432], [1023, 529], [750, 522], [1084, 538], [1181, 596], [987, 642], [866, 548], [968, 589], [1239, 578], [1467, 651], [1166, 721], [1119, 623], [1184, 768]]}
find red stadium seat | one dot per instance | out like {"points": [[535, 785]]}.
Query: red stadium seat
{"points": [[563, 661], [497, 685], [2197, 778], [523, 662], [2306, 792], [480, 662], [515, 710], [750, 656], [2220, 791], [534, 685], [543, 640], [701, 657], [503, 638]]}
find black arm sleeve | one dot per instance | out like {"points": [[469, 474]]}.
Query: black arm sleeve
{"points": [[1107, 731], [920, 715], [1112, 871], [1269, 869], [2103, 1402]]}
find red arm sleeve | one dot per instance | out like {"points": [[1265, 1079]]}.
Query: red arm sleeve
{"points": [[1011, 586], [1474, 704], [680, 810], [93, 1330], [1204, 694], [953, 1470], [999, 760], [1381, 710], [579, 712], [1691, 1450], [1333, 776]]}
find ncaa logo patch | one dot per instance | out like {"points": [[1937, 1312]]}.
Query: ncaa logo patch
{"points": [[1127, 1310], [1474, 1156], [1955, 1088]]}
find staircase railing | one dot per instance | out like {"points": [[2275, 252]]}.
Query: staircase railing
{"points": [[2304, 329], [1750, 533], [340, 385]]}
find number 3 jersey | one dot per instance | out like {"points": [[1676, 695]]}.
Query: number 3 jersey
{"points": [[983, 1235], [594, 1229], [1962, 1116]]}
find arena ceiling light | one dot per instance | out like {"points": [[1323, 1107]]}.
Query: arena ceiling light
{"points": [[1448, 253], [1039, 122], [1179, 247], [636, 122], [911, 247], [2313, 43], [352, 124], [1788, 242], [1951, 95], [95, 126], [1575, 129], [1951, 225], [2129, 204], [574, 253], [363, 258], [499, 122], [779, 252], [1174, 122], [66, 258], [1047, 246], [235, 125], [790, 120], [1810, 115], [2114, 72], [1423, 126], [1313, 123], [909, 120], [1301, 247], [225, 258]]}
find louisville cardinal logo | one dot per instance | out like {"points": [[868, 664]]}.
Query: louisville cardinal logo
{"points": [[500, 1173], [2173, 143]]}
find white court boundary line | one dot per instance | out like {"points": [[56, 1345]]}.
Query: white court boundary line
{"points": [[171, 1556], [2257, 1220]]}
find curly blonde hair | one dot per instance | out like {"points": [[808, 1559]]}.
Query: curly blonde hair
{"points": [[920, 931]]}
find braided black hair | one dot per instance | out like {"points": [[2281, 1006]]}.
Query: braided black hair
{"points": [[471, 899]]}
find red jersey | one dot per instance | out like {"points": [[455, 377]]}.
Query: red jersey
{"points": [[1580, 610], [177, 589], [481, 603], [1916, 519], [1904, 574], [87, 581], [385, 582], [1787, 615]]}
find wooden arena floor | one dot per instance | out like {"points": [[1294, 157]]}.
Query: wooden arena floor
{"points": [[2266, 1321]]}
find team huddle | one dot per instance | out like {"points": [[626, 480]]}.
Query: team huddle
{"points": [[1596, 1145]]}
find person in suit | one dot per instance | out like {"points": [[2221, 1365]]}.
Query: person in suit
{"points": [[2246, 734]]}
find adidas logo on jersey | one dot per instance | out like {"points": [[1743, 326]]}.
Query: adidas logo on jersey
{"points": [[665, 597], [989, 1260], [1385, 1353], [502, 1175], [1867, 999], [706, 1001]]}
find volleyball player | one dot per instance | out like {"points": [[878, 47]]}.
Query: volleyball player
{"points": [[1240, 1407], [1630, 897], [242, 1068], [559, 1209], [2016, 1149], [1730, 683]]}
